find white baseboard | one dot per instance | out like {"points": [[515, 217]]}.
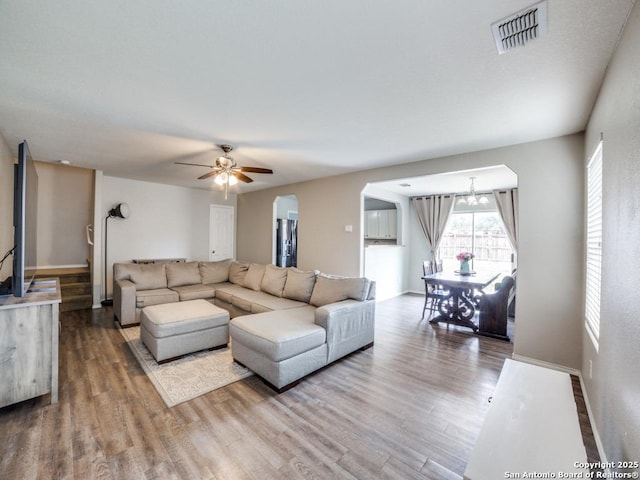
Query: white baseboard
{"points": [[540, 363], [578, 373]]}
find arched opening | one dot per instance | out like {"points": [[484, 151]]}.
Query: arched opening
{"points": [[384, 253], [397, 267]]}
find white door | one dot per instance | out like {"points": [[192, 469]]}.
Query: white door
{"points": [[222, 228]]}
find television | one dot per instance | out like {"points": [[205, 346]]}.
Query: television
{"points": [[25, 221]]}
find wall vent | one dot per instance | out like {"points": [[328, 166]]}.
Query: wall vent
{"points": [[521, 27]]}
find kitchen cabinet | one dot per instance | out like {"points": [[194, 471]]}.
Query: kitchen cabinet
{"points": [[381, 224]]}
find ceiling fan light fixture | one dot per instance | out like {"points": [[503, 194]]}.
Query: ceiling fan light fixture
{"points": [[221, 178], [225, 162], [226, 171], [225, 178]]}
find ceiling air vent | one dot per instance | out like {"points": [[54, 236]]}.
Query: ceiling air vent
{"points": [[521, 27]]}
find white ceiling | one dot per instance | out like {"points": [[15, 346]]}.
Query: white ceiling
{"points": [[309, 89]]}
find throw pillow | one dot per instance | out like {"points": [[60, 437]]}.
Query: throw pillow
{"points": [[331, 289], [148, 276], [299, 285], [274, 280], [237, 272], [182, 273], [253, 279], [215, 272]]}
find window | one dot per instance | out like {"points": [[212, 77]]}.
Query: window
{"points": [[594, 245], [478, 230]]}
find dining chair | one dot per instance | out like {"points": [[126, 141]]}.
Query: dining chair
{"points": [[492, 319], [433, 294], [511, 309]]}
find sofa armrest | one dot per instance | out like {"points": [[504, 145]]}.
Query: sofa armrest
{"points": [[124, 301], [349, 324]]}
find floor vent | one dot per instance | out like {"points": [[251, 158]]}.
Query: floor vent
{"points": [[521, 27]]}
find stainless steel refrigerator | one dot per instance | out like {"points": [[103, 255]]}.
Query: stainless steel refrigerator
{"points": [[287, 243]]}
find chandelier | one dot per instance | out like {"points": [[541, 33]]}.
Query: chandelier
{"points": [[471, 198]]}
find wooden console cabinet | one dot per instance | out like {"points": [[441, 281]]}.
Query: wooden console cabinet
{"points": [[29, 329]]}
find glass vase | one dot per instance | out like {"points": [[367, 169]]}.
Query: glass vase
{"points": [[464, 267]]}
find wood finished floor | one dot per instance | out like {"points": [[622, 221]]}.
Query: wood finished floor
{"points": [[411, 407]]}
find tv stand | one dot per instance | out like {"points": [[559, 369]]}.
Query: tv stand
{"points": [[29, 343]]}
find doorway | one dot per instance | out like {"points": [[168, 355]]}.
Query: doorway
{"points": [[285, 231], [475, 228], [221, 232]]}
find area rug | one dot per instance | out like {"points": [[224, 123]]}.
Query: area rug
{"points": [[187, 377]]}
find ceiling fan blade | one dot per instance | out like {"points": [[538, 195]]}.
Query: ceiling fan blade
{"points": [[242, 177], [208, 174], [255, 170], [194, 164]]}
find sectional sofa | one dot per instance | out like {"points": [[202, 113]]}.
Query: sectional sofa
{"points": [[285, 323]]}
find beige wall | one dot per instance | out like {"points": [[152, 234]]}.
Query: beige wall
{"points": [[324, 208], [614, 390], [6, 205], [550, 182], [65, 208]]}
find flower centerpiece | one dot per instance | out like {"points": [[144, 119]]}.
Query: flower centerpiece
{"points": [[464, 258]]}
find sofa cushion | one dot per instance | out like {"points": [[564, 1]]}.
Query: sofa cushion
{"points": [[331, 289], [227, 291], [182, 273], [279, 335], [274, 280], [144, 298], [254, 276], [241, 303], [299, 285], [237, 272], [258, 302], [145, 276], [214, 272], [275, 303], [194, 292]]}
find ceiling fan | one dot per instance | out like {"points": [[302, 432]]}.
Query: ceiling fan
{"points": [[226, 170]]}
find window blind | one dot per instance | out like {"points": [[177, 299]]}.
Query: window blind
{"points": [[594, 244]]}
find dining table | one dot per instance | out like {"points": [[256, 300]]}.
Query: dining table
{"points": [[459, 307]]}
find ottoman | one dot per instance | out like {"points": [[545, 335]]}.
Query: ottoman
{"points": [[171, 330], [280, 346]]}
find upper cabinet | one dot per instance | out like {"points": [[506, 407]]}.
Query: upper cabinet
{"points": [[381, 224]]}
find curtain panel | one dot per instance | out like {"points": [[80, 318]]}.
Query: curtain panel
{"points": [[507, 204], [433, 213]]}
